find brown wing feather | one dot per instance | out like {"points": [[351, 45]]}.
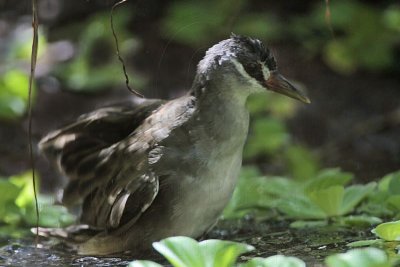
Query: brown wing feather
{"points": [[89, 154], [107, 162]]}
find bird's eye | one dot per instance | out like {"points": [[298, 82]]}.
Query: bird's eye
{"points": [[254, 70]]}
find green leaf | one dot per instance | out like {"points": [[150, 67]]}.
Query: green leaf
{"points": [[353, 195], [300, 207], [51, 215], [183, 251], [274, 261], [9, 192], [393, 202], [329, 199], [254, 193], [366, 257], [144, 264], [394, 182], [327, 178], [26, 196], [222, 253], [13, 94], [389, 231]]}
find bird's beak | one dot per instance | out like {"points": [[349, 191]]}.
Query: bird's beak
{"points": [[276, 82]]}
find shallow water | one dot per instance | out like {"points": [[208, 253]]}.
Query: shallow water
{"points": [[269, 238]]}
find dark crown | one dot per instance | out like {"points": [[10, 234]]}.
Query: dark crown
{"points": [[257, 48]]}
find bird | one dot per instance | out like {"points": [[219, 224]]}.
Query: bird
{"points": [[139, 173]]}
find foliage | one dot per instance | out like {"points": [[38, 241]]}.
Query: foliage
{"points": [[14, 78], [323, 196], [385, 201], [389, 231], [195, 23], [95, 66], [357, 27], [267, 136], [183, 251], [256, 193], [365, 37], [389, 237], [368, 257], [17, 207]]}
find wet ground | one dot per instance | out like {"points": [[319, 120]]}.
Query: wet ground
{"points": [[269, 238]]}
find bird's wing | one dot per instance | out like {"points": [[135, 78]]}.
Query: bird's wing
{"points": [[106, 157]]}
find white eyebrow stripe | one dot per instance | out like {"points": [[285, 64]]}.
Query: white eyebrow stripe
{"points": [[265, 71]]}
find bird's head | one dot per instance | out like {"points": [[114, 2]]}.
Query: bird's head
{"points": [[248, 62]]}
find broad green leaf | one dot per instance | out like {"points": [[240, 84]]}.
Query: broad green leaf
{"points": [[365, 257], [181, 251], [222, 253], [383, 184], [261, 192], [257, 193], [300, 207], [394, 183], [393, 202], [353, 195], [144, 264], [9, 192], [389, 231], [24, 181], [329, 200], [328, 178], [376, 205], [275, 261]]}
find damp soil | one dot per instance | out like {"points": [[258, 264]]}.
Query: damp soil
{"points": [[311, 245]]}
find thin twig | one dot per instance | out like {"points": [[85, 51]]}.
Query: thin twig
{"points": [[328, 18], [118, 52], [35, 26]]}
